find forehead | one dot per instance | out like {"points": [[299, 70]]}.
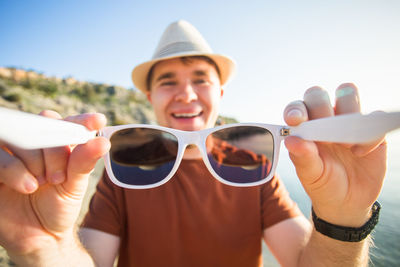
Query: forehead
{"points": [[178, 65]]}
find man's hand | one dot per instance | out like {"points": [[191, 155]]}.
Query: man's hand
{"points": [[41, 191], [343, 181]]}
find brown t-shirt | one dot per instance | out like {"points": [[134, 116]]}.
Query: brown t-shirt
{"points": [[192, 220]]}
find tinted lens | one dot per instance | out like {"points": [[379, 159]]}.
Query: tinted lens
{"points": [[241, 154], [142, 156]]}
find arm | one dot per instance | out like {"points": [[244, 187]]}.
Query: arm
{"points": [[294, 242], [342, 180], [103, 247], [324, 251], [41, 193], [287, 238], [66, 251]]}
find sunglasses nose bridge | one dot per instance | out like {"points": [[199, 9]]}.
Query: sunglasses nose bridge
{"points": [[191, 138]]}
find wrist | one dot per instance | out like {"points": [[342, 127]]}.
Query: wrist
{"points": [[341, 216], [40, 252], [346, 233], [60, 251]]}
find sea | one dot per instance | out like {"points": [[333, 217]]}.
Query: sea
{"points": [[386, 236]]}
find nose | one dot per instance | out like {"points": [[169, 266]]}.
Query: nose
{"points": [[186, 93]]}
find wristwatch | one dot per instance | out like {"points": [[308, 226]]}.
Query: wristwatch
{"points": [[347, 234]]}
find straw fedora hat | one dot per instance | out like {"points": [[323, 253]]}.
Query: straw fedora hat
{"points": [[178, 40]]}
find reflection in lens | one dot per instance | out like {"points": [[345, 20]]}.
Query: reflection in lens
{"points": [[142, 156], [241, 154]]}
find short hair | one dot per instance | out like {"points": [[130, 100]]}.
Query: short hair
{"points": [[186, 60]]}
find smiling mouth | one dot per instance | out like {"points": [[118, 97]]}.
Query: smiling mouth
{"points": [[186, 115]]}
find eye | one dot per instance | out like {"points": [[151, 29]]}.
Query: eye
{"points": [[200, 81], [168, 83]]}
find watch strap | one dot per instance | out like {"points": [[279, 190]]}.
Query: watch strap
{"points": [[347, 234]]}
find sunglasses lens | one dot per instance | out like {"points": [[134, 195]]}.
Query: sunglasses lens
{"points": [[142, 156], [241, 154]]}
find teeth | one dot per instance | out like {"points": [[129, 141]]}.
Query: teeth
{"points": [[186, 115]]}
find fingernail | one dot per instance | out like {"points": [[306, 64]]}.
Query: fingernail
{"points": [[295, 113], [30, 185], [315, 96], [345, 91], [57, 177]]}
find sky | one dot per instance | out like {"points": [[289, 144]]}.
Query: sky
{"points": [[281, 47]]}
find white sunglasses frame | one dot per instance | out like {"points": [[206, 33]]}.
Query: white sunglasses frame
{"points": [[44, 132], [197, 138]]}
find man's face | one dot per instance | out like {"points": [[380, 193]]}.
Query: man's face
{"points": [[186, 95]]}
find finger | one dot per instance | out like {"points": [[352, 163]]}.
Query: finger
{"points": [[318, 103], [50, 114], [295, 113], [15, 175], [347, 99], [55, 158], [364, 149], [82, 162], [305, 157], [31, 159], [92, 121]]}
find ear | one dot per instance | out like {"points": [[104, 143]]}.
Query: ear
{"points": [[148, 95]]}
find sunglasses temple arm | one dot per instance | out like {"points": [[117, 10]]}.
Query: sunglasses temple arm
{"points": [[30, 131], [350, 128]]}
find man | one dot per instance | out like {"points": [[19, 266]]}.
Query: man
{"points": [[192, 220]]}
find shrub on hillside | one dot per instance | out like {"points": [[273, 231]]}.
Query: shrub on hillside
{"points": [[13, 97], [49, 88], [3, 87]]}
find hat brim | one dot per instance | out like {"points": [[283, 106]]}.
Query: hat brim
{"points": [[225, 64]]}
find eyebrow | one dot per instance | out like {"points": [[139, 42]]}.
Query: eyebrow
{"points": [[169, 75], [166, 75], [200, 73]]}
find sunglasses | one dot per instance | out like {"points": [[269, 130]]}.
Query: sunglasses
{"points": [[147, 156]]}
